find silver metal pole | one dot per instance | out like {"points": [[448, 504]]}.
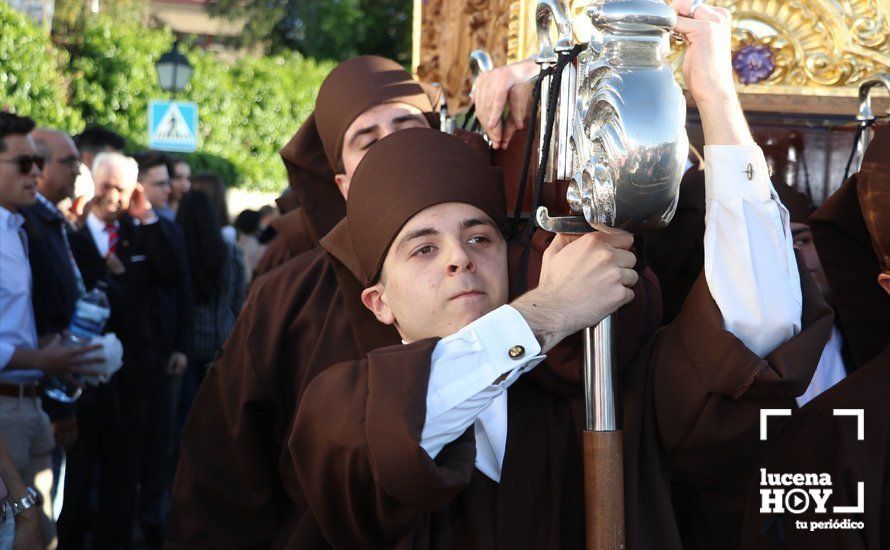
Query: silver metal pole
{"points": [[601, 414]]}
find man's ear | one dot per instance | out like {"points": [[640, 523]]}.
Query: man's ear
{"points": [[374, 298], [884, 281], [342, 181]]}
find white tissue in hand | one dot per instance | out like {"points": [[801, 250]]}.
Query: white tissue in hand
{"points": [[112, 354]]}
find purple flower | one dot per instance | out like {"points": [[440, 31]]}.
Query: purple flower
{"points": [[753, 64]]}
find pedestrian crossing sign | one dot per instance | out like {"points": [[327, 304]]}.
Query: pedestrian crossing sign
{"points": [[173, 126]]}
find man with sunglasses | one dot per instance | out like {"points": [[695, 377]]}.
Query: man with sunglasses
{"points": [[23, 424]]}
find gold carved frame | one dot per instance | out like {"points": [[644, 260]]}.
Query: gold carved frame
{"points": [[821, 49]]}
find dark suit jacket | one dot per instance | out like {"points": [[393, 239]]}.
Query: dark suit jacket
{"points": [[54, 293], [175, 304], [152, 269], [55, 285]]}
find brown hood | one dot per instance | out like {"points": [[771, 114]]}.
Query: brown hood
{"points": [[401, 175], [312, 154], [850, 262]]}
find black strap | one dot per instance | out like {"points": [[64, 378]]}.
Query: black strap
{"points": [[546, 138], [863, 126]]}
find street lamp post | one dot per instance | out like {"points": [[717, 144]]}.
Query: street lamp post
{"points": [[174, 70]]}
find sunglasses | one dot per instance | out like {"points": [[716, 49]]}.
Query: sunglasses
{"points": [[26, 163]]}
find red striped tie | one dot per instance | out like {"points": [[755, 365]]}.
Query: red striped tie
{"points": [[113, 238]]}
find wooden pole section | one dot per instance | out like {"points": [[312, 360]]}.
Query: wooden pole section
{"points": [[604, 490], [603, 449]]}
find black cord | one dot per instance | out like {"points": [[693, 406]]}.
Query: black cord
{"points": [[529, 144], [470, 115], [862, 128], [546, 138]]}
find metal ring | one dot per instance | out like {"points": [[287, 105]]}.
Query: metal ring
{"points": [[694, 6]]}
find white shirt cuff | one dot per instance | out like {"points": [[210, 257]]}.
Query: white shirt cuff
{"points": [[497, 343], [728, 175]]}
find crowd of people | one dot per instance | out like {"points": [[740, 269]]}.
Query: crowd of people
{"points": [[405, 372], [79, 214]]}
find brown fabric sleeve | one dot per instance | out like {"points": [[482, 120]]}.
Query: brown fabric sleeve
{"points": [[355, 445], [709, 388], [231, 417]]}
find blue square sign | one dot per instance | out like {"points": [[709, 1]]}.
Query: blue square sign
{"points": [[173, 126]]}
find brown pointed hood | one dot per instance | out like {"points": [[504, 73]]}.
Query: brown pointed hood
{"points": [[401, 175], [847, 251], [313, 153]]}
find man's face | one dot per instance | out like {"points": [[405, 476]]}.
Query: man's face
{"points": [[446, 268], [113, 193], [17, 189], [156, 182], [61, 168], [371, 126], [180, 181], [803, 241]]}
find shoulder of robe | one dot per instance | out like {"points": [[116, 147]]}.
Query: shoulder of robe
{"points": [[296, 277]]}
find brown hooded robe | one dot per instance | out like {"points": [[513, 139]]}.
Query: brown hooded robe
{"points": [[852, 236], [235, 485], [691, 411]]}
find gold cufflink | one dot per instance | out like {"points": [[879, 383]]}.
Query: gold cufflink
{"points": [[516, 352]]}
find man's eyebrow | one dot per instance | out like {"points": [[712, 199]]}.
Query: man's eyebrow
{"points": [[798, 231], [363, 131], [424, 232], [405, 118], [473, 222]]}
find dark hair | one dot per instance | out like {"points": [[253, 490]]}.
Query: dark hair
{"points": [[268, 210], [213, 185], [207, 251], [13, 125], [96, 139], [248, 222], [149, 159], [172, 162]]}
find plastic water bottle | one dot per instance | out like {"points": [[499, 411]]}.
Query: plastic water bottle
{"points": [[90, 315]]}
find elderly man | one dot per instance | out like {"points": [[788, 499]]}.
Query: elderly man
{"points": [[57, 279], [123, 244]]}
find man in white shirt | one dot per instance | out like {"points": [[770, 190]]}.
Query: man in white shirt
{"points": [[23, 424]]}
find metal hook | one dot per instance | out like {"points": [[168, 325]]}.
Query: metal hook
{"points": [[865, 89], [547, 14]]}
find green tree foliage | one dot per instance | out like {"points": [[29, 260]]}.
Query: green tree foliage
{"points": [[248, 109], [70, 17], [251, 109], [30, 80], [113, 74], [325, 29]]}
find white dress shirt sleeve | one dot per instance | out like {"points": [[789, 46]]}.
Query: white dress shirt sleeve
{"points": [[470, 369], [749, 260]]}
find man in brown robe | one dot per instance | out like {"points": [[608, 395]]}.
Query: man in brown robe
{"points": [[360, 438], [362, 100], [293, 327], [852, 232], [296, 322]]}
